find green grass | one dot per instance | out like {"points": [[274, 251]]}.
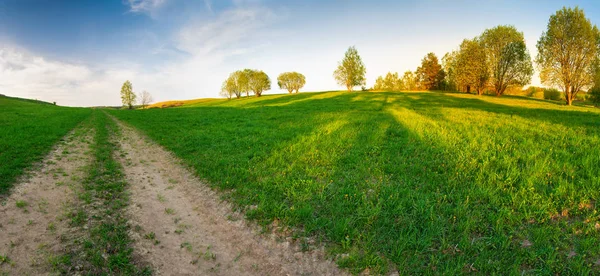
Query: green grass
{"points": [[420, 182], [28, 130], [107, 248]]}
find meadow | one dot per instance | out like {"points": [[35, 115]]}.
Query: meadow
{"points": [[28, 130], [415, 181]]}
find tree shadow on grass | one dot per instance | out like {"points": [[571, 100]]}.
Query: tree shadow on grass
{"points": [[383, 188]]}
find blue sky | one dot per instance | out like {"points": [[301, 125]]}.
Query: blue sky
{"points": [[80, 52]]}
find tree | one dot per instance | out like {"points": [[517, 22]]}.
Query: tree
{"points": [[351, 70], [409, 79], [258, 81], [243, 81], [471, 70], [291, 81], [449, 66], [234, 84], [391, 82], [594, 92], [508, 59], [430, 73], [567, 50], [127, 95], [145, 99], [225, 91]]}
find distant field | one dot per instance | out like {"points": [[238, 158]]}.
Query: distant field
{"points": [[28, 130], [419, 181]]}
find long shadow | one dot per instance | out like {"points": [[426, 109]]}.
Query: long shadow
{"points": [[345, 170]]}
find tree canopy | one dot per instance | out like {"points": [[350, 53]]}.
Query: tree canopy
{"points": [[507, 56], [351, 70], [391, 82], [291, 81], [235, 84], [430, 73], [470, 69], [127, 95], [258, 82], [567, 51]]}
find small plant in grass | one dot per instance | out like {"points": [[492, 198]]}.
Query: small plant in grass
{"points": [[161, 198], [208, 254], [187, 246], [4, 259], [150, 236], [169, 211], [21, 204]]}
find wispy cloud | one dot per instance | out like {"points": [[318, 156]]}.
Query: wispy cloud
{"points": [[192, 61], [208, 5], [145, 6]]}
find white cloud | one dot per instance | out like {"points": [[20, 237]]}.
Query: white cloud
{"points": [[145, 6], [208, 5], [208, 44]]}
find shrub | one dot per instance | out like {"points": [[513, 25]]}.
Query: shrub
{"points": [[594, 96], [535, 92], [582, 96], [553, 94]]}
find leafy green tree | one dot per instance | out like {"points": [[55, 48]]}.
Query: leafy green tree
{"points": [[449, 66], [471, 68], [379, 85], [430, 73], [508, 59], [258, 82], [410, 81], [225, 91], [391, 82], [234, 84], [291, 81], [351, 70], [127, 95], [244, 81], [594, 93], [567, 50]]}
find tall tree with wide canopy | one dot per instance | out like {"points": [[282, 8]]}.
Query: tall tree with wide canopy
{"points": [[258, 82], [430, 72], [567, 51], [351, 70], [291, 81], [507, 57], [471, 70], [127, 95]]}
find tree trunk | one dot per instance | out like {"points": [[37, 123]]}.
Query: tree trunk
{"points": [[468, 89], [568, 97]]}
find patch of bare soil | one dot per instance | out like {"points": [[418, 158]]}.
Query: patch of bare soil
{"points": [[181, 226], [32, 218]]}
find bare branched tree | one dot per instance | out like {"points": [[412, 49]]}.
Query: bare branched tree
{"points": [[145, 99]]}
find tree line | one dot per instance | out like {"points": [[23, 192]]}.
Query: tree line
{"points": [[568, 59], [495, 61]]}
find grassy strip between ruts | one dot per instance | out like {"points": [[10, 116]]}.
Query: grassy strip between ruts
{"points": [[106, 247], [28, 130]]}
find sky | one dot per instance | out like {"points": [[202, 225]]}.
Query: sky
{"points": [[79, 52]]}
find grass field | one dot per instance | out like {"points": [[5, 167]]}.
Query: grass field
{"points": [[416, 181], [28, 130]]}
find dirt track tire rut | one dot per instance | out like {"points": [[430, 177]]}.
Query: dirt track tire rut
{"points": [[181, 227]]}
